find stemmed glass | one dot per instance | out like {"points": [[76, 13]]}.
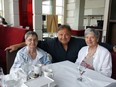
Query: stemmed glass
{"points": [[27, 68], [1, 77], [81, 70], [48, 71], [1, 71]]}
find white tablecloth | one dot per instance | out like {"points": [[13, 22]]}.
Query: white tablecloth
{"points": [[66, 74]]}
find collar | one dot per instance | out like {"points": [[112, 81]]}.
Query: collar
{"points": [[38, 50]]}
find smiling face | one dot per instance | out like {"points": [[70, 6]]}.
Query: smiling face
{"points": [[64, 36], [31, 41], [91, 40]]}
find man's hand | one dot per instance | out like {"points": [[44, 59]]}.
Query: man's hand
{"points": [[15, 47], [11, 48]]}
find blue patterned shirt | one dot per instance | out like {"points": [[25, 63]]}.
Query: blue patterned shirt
{"points": [[23, 57]]}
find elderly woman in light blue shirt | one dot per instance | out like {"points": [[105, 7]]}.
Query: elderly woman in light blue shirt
{"points": [[31, 53]]}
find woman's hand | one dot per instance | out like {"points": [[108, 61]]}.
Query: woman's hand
{"points": [[87, 65]]}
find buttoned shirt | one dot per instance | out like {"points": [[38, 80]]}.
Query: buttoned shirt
{"points": [[23, 57], [57, 51]]}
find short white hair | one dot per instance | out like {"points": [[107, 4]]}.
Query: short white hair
{"points": [[96, 33], [30, 33]]}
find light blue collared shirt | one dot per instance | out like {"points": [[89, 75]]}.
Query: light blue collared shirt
{"points": [[23, 57]]}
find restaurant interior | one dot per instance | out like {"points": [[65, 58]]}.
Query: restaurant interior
{"points": [[44, 17]]}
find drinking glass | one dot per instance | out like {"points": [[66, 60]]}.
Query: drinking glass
{"points": [[1, 77], [48, 71], [81, 70], [1, 71], [28, 69]]}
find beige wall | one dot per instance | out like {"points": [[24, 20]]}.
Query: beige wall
{"points": [[92, 7]]}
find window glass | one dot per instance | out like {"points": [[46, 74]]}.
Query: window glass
{"points": [[0, 4], [46, 9], [59, 2], [1, 7], [46, 2], [59, 10], [60, 19]]}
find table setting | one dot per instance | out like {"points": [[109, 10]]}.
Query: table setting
{"points": [[28, 75], [61, 74]]}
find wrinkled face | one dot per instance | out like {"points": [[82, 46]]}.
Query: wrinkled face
{"points": [[91, 40], [31, 41], [64, 36]]}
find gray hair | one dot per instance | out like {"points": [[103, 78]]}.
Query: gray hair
{"points": [[96, 33], [30, 33]]}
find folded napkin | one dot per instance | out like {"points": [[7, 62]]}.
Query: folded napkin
{"points": [[15, 79]]}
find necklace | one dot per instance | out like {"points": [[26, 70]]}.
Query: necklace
{"points": [[91, 52]]}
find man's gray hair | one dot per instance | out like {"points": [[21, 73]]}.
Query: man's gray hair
{"points": [[30, 33], [96, 33]]}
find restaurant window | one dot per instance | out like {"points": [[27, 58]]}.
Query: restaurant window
{"points": [[59, 10], [46, 10], [46, 7], [1, 7]]}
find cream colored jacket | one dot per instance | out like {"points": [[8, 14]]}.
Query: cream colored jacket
{"points": [[102, 61]]}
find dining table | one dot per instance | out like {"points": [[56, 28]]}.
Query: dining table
{"points": [[66, 74]]}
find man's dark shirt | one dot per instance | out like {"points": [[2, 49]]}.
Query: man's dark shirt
{"points": [[58, 53], [55, 48]]}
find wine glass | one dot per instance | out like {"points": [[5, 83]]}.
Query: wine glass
{"points": [[1, 71], [48, 71], [81, 70], [1, 77]]}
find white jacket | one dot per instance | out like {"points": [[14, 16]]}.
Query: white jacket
{"points": [[102, 61]]}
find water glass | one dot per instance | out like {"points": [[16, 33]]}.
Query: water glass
{"points": [[1, 77], [81, 70], [48, 71], [1, 71]]}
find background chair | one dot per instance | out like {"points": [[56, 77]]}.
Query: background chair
{"points": [[10, 57], [9, 36]]}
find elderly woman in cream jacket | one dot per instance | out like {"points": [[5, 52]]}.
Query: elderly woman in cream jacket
{"points": [[94, 56]]}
